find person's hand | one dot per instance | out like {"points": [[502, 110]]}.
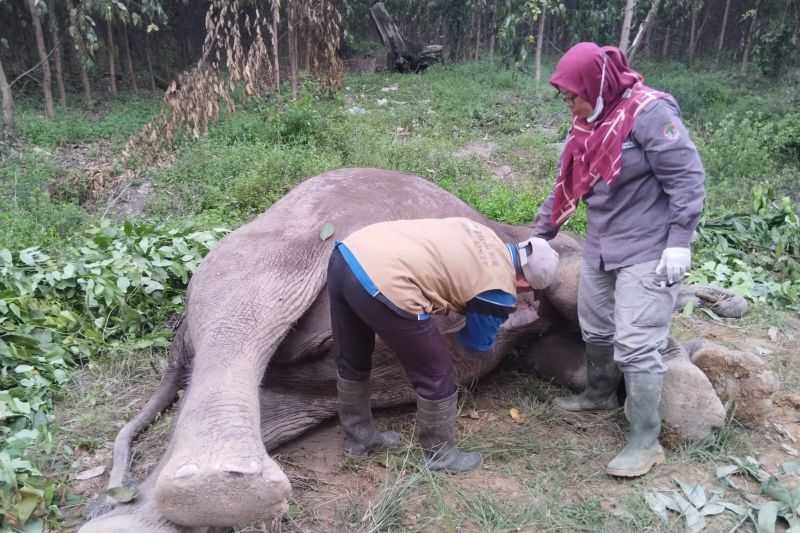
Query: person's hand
{"points": [[675, 263]]}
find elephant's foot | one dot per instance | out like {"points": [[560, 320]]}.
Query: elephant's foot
{"points": [[222, 490]]}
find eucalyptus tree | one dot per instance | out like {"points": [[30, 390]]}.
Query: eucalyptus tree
{"points": [[35, 7], [52, 19], [81, 30], [8, 103]]}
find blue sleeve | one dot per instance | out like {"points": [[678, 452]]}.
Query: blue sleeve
{"points": [[484, 315], [480, 331]]}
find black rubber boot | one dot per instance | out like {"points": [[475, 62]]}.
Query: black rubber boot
{"points": [[436, 427], [642, 450], [602, 379], [355, 415]]}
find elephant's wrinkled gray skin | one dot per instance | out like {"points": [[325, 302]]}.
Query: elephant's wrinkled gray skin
{"points": [[254, 352]]}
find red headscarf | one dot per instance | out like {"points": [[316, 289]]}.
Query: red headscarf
{"points": [[594, 150]]}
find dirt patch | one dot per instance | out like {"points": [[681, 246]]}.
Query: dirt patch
{"points": [[485, 152], [543, 469], [93, 178]]}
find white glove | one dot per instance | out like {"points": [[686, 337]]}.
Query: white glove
{"points": [[674, 262]]}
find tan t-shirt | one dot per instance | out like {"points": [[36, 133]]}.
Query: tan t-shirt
{"points": [[433, 265]]}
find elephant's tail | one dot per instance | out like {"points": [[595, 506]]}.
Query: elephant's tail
{"points": [[165, 395]]}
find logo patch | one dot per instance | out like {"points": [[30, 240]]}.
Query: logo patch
{"points": [[671, 131]]}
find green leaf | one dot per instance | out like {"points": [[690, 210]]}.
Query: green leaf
{"points": [[727, 470], [26, 506], [34, 526], [326, 232], [123, 494], [767, 516], [123, 283]]}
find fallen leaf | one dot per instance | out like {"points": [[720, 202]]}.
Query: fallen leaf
{"points": [[738, 509], [326, 232], [772, 332], [656, 502], [712, 508], [727, 470], [123, 494], [694, 520], [91, 473], [788, 449], [695, 493], [767, 516], [760, 350], [791, 468]]}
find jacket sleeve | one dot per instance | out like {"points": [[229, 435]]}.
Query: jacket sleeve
{"points": [[675, 163], [543, 223]]}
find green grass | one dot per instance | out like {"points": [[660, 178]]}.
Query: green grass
{"points": [[27, 215], [115, 122]]}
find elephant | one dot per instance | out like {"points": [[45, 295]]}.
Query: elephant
{"points": [[253, 351]]}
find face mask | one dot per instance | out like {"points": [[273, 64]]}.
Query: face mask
{"points": [[598, 106]]}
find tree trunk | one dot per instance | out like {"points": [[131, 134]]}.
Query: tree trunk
{"points": [[57, 57], [478, 18], [693, 33], [492, 30], [149, 58], [129, 59], [665, 45], [722, 31], [276, 5], [81, 52], [111, 64], [8, 104], [625, 37], [291, 15], [540, 45], [643, 29], [47, 80], [749, 39]]}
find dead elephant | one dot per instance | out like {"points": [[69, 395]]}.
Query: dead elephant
{"points": [[253, 351]]}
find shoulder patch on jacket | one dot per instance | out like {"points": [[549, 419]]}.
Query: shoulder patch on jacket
{"points": [[670, 131]]}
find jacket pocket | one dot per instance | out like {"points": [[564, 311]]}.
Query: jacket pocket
{"points": [[657, 301]]}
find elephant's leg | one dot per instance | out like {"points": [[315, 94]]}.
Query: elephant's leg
{"points": [[219, 473], [285, 414]]}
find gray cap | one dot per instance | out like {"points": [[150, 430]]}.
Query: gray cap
{"points": [[539, 262]]}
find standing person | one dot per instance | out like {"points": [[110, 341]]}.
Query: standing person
{"points": [[630, 158], [388, 279]]}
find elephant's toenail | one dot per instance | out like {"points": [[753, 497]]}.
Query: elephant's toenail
{"points": [[244, 467]]}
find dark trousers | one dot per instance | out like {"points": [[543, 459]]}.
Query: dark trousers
{"points": [[357, 317]]}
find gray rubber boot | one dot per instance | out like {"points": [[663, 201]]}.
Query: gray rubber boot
{"points": [[642, 450], [355, 415], [602, 379], [436, 427]]}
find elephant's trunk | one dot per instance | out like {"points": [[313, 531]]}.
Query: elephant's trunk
{"points": [[219, 473]]}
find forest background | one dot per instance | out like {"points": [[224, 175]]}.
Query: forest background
{"points": [[137, 132]]}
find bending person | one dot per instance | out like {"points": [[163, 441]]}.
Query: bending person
{"points": [[630, 158], [388, 279]]}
